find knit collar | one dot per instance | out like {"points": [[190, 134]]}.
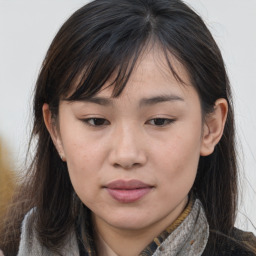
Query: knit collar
{"points": [[189, 237]]}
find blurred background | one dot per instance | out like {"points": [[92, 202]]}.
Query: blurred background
{"points": [[26, 30]]}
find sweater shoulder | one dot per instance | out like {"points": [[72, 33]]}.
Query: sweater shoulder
{"points": [[239, 243], [30, 244]]}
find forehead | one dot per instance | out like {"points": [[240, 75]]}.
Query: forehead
{"points": [[152, 75]]}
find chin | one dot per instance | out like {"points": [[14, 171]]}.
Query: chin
{"points": [[129, 221], [130, 224]]}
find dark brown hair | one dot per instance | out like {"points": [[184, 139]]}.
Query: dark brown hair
{"points": [[103, 38]]}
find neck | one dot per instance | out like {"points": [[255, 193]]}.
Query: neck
{"points": [[103, 247], [125, 243]]}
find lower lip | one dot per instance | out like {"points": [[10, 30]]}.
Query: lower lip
{"points": [[128, 195]]}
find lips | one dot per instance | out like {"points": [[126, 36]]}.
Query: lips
{"points": [[128, 191]]}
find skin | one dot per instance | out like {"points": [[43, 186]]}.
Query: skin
{"points": [[157, 142]]}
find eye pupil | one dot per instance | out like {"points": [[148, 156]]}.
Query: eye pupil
{"points": [[159, 121], [98, 121]]}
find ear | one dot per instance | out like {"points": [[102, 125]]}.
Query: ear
{"points": [[213, 127], [53, 130]]}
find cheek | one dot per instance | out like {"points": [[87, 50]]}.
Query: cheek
{"points": [[81, 149], [83, 162], [179, 161]]}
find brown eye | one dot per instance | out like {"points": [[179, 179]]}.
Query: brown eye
{"points": [[96, 121], [160, 121]]}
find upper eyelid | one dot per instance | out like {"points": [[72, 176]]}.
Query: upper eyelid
{"points": [[162, 117]]}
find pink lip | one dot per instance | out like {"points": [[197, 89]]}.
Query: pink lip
{"points": [[128, 191]]}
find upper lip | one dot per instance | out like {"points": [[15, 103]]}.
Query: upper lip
{"points": [[127, 184]]}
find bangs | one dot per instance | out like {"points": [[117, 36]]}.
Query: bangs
{"points": [[114, 66], [101, 50]]}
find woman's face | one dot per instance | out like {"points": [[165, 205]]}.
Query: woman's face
{"points": [[133, 159]]}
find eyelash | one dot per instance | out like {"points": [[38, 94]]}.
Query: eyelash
{"points": [[163, 121], [101, 121], [104, 122]]}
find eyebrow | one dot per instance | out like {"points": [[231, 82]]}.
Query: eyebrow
{"points": [[99, 100], [143, 102], [159, 99]]}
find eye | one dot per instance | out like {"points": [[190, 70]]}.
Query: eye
{"points": [[96, 121], [160, 121]]}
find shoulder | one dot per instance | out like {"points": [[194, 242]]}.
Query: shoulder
{"points": [[30, 244], [239, 243]]}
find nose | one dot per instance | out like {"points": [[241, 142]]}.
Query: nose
{"points": [[127, 150]]}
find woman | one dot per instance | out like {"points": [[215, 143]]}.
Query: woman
{"points": [[135, 152]]}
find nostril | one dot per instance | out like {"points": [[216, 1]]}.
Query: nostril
{"points": [[116, 165], [126, 166]]}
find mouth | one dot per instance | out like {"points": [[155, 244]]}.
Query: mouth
{"points": [[128, 191]]}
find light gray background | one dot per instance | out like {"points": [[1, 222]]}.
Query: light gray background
{"points": [[27, 28]]}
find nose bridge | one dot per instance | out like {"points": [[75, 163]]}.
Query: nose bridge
{"points": [[127, 146], [127, 134]]}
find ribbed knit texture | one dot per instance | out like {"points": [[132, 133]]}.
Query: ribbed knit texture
{"points": [[189, 238]]}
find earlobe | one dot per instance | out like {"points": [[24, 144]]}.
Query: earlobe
{"points": [[52, 129], [213, 127]]}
